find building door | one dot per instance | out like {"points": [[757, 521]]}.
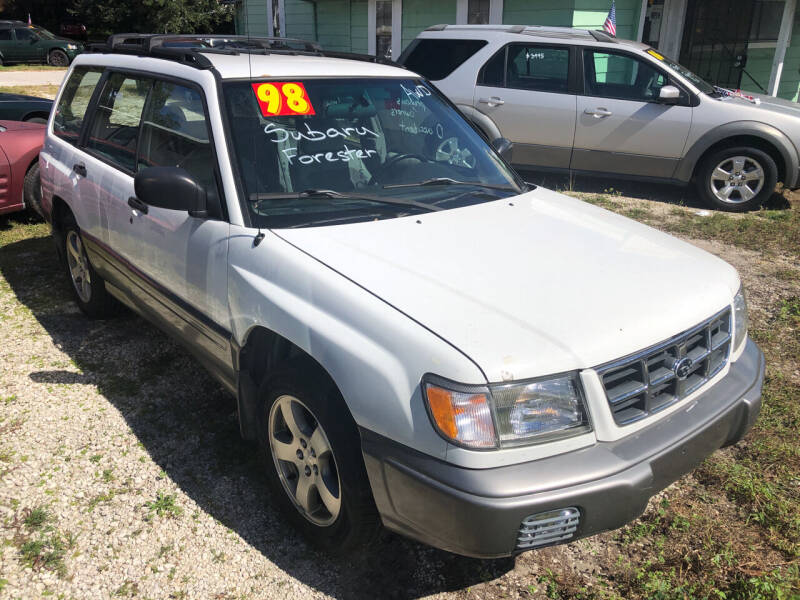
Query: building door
{"points": [[383, 28], [654, 17], [715, 38]]}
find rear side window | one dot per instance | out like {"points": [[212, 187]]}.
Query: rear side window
{"points": [[174, 133], [71, 108], [115, 127], [5, 34], [436, 59], [523, 67]]}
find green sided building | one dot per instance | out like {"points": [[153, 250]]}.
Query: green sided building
{"points": [[749, 44]]}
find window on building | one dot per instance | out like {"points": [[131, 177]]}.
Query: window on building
{"points": [[383, 28], [766, 24], [478, 12], [436, 59], [620, 76]]}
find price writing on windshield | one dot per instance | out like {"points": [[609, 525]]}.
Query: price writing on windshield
{"points": [[278, 99]]}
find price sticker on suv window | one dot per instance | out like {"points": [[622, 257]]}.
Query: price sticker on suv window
{"points": [[278, 99]]}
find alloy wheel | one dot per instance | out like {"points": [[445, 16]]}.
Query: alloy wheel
{"points": [[78, 264], [737, 179], [304, 460], [450, 151]]}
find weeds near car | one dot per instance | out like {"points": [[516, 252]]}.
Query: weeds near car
{"points": [[164, 505]]}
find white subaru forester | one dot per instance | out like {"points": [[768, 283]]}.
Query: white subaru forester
{"points": [[415, 337]]}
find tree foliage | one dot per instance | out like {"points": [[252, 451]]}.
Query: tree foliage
{"points": [[103, 17]]}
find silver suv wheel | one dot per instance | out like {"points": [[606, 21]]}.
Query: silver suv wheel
{"points": [[303, 458], [78, 265], [737, 179]]}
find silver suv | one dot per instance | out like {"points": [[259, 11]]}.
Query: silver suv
{"points": [[579, 100]]}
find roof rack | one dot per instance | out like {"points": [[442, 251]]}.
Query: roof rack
{"points": [[602, 36], [190, 49]]}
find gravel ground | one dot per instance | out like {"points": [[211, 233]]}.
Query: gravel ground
{"points": [[148, 492]]}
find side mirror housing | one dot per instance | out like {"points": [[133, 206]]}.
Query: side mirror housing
{"points": [[172, 188], [669, 94], [503, 147]]}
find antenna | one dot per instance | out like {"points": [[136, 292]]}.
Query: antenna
{"points": [[260, 235]]}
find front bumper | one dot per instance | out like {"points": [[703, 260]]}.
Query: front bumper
{"points": [[466, 511]]}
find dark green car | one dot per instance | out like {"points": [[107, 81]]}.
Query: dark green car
{"points": [[23, 43]]}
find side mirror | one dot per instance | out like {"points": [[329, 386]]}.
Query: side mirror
{"points": [[503, 147], [171, 188], [669, 94]]}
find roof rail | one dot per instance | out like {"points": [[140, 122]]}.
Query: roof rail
{"points": [[438, 27], [190, 49], [602, 36]]}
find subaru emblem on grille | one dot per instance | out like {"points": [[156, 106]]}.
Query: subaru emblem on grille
{"points": [[683, 367]]}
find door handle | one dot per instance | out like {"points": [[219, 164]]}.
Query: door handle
{"points": [[137, 204], [80, 169], [493, 101], [598, 113]]}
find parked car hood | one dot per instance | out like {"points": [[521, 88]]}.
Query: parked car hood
{"points": [[769, 103], [537, 284], [20, 125], [11, 97]]}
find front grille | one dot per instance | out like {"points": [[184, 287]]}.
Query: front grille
{"points": [[648, 381], [548, 528]]}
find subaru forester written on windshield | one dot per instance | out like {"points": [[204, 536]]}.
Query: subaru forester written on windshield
{"points": [[414, 336]]}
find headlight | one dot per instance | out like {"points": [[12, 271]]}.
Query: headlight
{"points": [[740, 320], [507, 414], [71, 47]]}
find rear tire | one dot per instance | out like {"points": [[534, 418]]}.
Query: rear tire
{"points": [[32, 190], [737, 179], [88, 287], [334, 522], [58, 58]]}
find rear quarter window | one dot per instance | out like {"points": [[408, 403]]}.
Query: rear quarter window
{"points": [[71, 109], [436, 59]]}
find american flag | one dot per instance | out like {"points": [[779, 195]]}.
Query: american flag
{"points": [[610, 26]]}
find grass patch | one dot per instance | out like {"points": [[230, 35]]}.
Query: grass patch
{"points": [[163, 506], [36, 517], [40, 91]]}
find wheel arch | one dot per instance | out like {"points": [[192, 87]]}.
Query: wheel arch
{"points": [[262, 352], [757, 135], [34, 114]]}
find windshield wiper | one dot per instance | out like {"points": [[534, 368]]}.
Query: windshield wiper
{"points": [[315, 193], [450, 181]]}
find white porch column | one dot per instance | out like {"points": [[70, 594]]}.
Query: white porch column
{"points": [[784, 37], [496, 12], [371, 27], [672, 28], [462, 6], [642, 13], [397, 28]]}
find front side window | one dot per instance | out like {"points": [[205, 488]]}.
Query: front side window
{"points": [[621, 76], [73, 103], [115, 127], [25, 35], [174, 133], [437, 58], [325, 151]]}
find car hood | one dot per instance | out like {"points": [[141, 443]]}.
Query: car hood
{"points": [[768, 103], [21, 125], [537, 284], [11, 97]]}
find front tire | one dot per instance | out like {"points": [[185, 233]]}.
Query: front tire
{"points": [[737, 179], [87, 286], [58, 58], [32, 190], [312, 455]]}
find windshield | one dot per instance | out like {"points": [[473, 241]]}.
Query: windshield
{"points": [[43, 33], [700, 83], [329, 151]]}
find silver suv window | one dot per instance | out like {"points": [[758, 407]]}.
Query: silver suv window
{"points": [[527, 67], [613, 75], [436, 59], [74, 101]]}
